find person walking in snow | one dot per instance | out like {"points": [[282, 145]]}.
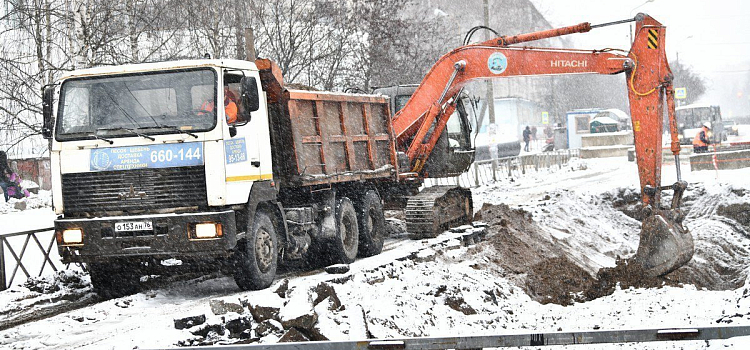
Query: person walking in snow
{"points": [[5, 174], [526, 138]]}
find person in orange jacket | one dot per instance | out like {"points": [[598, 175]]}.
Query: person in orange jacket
{"points": [[230, 106], [701, 141]]}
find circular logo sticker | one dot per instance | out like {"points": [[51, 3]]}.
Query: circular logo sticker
{"points": [[497, 63], [100, 160]]}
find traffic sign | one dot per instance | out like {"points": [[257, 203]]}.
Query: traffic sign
{"points": [[545, 118], [680, 93]]}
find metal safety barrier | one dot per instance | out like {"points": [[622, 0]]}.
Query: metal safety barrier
{"points": [[17, 258], [507, 340], [485, 171]]}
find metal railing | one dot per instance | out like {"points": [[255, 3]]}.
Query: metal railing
{"points": [[506, 340], [485, 171], [17, 257]]}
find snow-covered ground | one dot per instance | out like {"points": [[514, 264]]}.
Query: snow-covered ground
{"points": [[438, 287]]}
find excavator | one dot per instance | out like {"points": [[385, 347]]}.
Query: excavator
{"points": [[665, 244]]}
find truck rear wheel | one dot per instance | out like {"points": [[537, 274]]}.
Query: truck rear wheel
{"points": [[114, 280], [257, 257], [343, 247], [371, 221]]}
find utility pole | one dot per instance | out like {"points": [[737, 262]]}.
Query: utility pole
{"points": [[80, 41], [491, 128], [250, 45]]}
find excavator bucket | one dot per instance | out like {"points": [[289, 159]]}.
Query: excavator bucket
{"points": [[664, 246]]}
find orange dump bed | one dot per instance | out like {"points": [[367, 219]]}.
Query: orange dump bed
{"points": [[323, 137]]}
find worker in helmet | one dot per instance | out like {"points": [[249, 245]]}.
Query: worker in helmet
{"points": [[701, 141], [230, 106]]}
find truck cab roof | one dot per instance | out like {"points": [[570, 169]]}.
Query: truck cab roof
{"points": [[164, 65]]}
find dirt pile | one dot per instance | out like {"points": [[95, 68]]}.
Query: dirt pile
{"points": [[515, 238], [533, 261], [524, 252], [527, 250], [558, 280]]}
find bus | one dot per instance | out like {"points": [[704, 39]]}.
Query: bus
{"points": [[690, 119]]}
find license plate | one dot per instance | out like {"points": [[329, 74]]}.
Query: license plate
{"points": [[134, 226]]}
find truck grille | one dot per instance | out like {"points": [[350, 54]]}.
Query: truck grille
{"points": [[134, 190]]}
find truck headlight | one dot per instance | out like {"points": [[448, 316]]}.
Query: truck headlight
{"points": [[207, 230], [72, 236]]}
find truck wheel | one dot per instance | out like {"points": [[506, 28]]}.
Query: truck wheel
{"points": [[257, 256], [371, 224], [114, 280], [344, 246]]}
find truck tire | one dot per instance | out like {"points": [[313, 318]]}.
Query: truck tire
{"points": [[371, 221], [343, 247], [114, 280], [257, 257]]}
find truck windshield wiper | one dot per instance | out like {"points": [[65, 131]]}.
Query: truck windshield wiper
{"points": [[170, 127], [128, 130], [95, 136]]}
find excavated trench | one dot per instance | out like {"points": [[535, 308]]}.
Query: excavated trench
{"points": [[551, 269]]}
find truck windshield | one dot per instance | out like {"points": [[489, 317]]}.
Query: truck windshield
{"points": [[152, 103]]}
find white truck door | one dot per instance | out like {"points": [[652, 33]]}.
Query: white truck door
{"points": [[242, 137]]}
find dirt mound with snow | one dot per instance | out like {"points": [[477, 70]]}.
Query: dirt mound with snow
{"points": [[565, 248]]}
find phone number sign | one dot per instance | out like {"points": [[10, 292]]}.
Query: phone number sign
{"points": [[150, 156], [235, 150]]}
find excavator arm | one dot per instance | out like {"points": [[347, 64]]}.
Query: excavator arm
{"points": [[665, 244], [433, 101]]}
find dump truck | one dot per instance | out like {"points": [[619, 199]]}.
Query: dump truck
{"points": [[218, 162], [143, 172]]}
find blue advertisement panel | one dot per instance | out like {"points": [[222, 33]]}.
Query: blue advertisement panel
{"points": [[149, 156], [235, 150]]}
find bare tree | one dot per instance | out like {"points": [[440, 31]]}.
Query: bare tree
{"points": [[327, 44], [30, 37], [685, 77]]}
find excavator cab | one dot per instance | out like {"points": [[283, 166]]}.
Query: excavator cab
{"points": [[453, 153]]}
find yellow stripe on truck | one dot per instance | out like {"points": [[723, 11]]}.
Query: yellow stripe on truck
{"points": [[250, 177]]}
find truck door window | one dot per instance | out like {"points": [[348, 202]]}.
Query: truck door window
{"points": [[231, 95]]}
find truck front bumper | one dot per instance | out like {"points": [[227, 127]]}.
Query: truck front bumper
{"points": [[171, 236]]}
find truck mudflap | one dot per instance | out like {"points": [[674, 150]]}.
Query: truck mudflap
{"points": [[160, 236]]}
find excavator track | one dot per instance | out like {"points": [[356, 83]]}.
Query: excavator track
{"points": [[436, 208]]}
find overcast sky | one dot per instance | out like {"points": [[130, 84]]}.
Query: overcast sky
{"points": [[711, 36]]}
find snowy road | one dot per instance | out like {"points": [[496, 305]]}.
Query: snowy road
{"points": [[405, 290]]}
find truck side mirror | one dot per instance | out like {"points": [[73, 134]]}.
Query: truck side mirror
{"points": [[47, 103], [249, 96]]}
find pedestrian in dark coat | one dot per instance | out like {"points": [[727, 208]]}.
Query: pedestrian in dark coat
{"points": [[526, 138], [5, 174]]}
